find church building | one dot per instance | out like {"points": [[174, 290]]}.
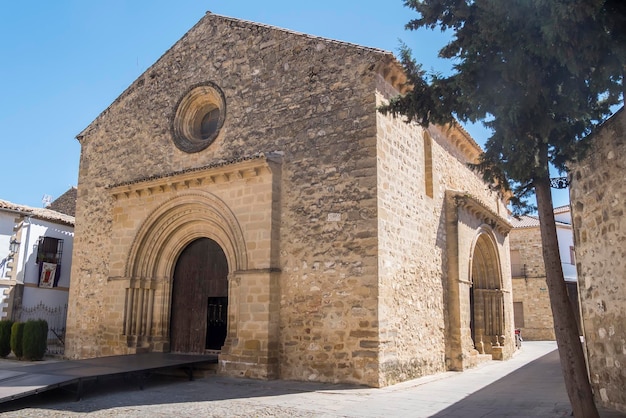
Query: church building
{"points": [[244, 197]]}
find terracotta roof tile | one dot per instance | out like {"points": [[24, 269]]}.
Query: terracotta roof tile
{"points": [[525, 221], [39, 213]]}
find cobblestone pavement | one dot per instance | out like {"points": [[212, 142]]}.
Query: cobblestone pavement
{"points": [[529, 385]]}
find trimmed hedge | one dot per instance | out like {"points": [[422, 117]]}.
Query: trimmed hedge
{"points": [[35, 339], [17, 332], [5, 337]]}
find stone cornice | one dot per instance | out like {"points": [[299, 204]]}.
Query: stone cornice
{"points": [[481, 211], [393, 73], [221, 172], [462, 140]]}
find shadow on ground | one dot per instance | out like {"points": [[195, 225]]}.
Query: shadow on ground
{"points": [[541, 390], [538, 391], [161, 389]]}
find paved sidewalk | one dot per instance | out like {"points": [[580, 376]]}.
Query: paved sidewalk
{"points": [[529, 385]]}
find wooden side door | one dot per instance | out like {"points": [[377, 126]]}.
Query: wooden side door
{"points": [[217, 303]]}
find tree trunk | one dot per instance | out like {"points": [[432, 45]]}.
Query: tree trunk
{"points": [[565, 328]]}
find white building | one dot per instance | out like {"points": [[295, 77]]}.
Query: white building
{"points": [[565, 235], [35, 259]]}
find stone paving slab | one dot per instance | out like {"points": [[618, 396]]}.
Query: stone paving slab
{"points": [[529, 385]]}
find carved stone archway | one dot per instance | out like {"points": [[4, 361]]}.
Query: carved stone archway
{"points": [[155, 249], [156, 218], [476, 244], [487, 318]]}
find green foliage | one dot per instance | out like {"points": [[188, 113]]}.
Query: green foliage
{"points": [[17, 333], [5, 337], [35, 339], [541, 74]]}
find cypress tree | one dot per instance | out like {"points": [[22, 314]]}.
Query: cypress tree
{"points": [[542, 75]]}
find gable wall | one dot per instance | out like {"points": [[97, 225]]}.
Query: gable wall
{"points": [[295, 94]]}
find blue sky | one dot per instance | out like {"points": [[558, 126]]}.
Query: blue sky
{"points": [[65, 61]]}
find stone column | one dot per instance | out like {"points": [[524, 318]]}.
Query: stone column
{"points": [[454, 350]]}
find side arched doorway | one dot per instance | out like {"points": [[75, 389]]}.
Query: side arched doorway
{"points": [[199, 298], [487, 321]]}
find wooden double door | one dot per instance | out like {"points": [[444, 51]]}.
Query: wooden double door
{"points": [[199, 298]]}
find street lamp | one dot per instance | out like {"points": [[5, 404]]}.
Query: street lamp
{"points": [[13, 247], [559, 182]]}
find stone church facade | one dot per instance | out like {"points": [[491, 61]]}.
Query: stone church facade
{"points": [[245, 197]]}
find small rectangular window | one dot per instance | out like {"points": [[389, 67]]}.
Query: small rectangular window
{"points": [[518, 314], [49, 250]]}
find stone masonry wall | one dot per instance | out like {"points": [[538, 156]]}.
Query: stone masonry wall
{"points": [[410, 258], [311, 99], [527, 242], [530, 288], [412, 243], [598, 200], [532, 293]]}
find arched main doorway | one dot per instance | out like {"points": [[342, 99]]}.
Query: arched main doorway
{"points": [[199, 298], [486, 297]]}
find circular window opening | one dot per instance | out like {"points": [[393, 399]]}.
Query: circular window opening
{"points": [[209, 122], [199, 117]]}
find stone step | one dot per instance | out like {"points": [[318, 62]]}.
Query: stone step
{"points": [[477, 359]]}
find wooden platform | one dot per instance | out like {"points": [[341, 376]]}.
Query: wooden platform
{"points": [[21, 381]]}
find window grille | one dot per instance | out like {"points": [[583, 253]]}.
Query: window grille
{"points": [[50, 250]]}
